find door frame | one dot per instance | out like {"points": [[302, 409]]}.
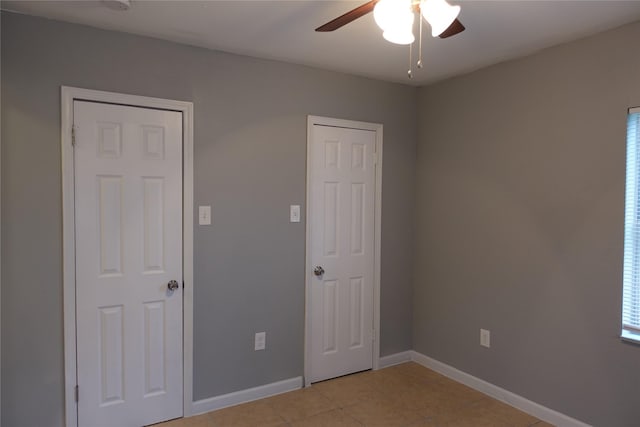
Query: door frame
{"points": [[377, 128], [68, 96]]}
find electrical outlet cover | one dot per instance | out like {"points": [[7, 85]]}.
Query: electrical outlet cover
{"points": [[260, 341], [485, 338]]}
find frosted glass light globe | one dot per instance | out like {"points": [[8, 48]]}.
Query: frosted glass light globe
{"points": [[439, 14], [387, 12]]}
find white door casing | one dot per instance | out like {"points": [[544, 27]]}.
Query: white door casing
{"points": [[128, 192], [343, 239]]}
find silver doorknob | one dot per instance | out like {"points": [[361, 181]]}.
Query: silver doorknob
{"points": [[318, 271], [173, 285]]}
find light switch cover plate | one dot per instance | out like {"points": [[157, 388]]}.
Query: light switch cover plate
{"points": [[294, 213], [204, 215]]}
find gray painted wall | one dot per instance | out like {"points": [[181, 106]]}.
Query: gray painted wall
{"points": [[250, 145], [520, 209]]}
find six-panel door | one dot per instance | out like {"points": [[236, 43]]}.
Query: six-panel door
{"points": [[341, 218], [128, 192]]}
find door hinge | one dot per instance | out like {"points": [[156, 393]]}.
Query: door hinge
{"points": [[373, 335], [77, 393], [73, 136], [375, 158]]}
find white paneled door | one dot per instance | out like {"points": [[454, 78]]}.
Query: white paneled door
{"points": [[341, 224], [128, 212]]}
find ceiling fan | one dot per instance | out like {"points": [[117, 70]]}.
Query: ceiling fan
{"points": [[396, 19]]}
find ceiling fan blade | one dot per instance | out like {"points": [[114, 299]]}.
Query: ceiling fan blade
{"points": [[350, 16], [455, 28]]}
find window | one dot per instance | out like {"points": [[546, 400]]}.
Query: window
{"points": [[631, 271]]}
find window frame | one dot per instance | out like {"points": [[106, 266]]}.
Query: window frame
{"points": [[630, 330]]}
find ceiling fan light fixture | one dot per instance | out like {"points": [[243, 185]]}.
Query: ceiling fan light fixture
{"points": [[399, 37], [390, 14], [396, 19], [439, 14]]}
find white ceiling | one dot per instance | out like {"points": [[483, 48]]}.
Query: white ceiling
{"points": [[283, 30]]}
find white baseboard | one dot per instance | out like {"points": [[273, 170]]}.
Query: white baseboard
{"points": [[394, 359], [545, 414], [243, 396]]}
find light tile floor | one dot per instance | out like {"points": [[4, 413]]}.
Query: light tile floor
{"points": [[403, 395]]}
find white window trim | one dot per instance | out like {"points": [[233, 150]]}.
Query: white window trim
{"points": [[68, 95], [630, 333]]}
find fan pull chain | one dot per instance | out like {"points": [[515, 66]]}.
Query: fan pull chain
{"points": [[409, 73], [420, 44]]}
